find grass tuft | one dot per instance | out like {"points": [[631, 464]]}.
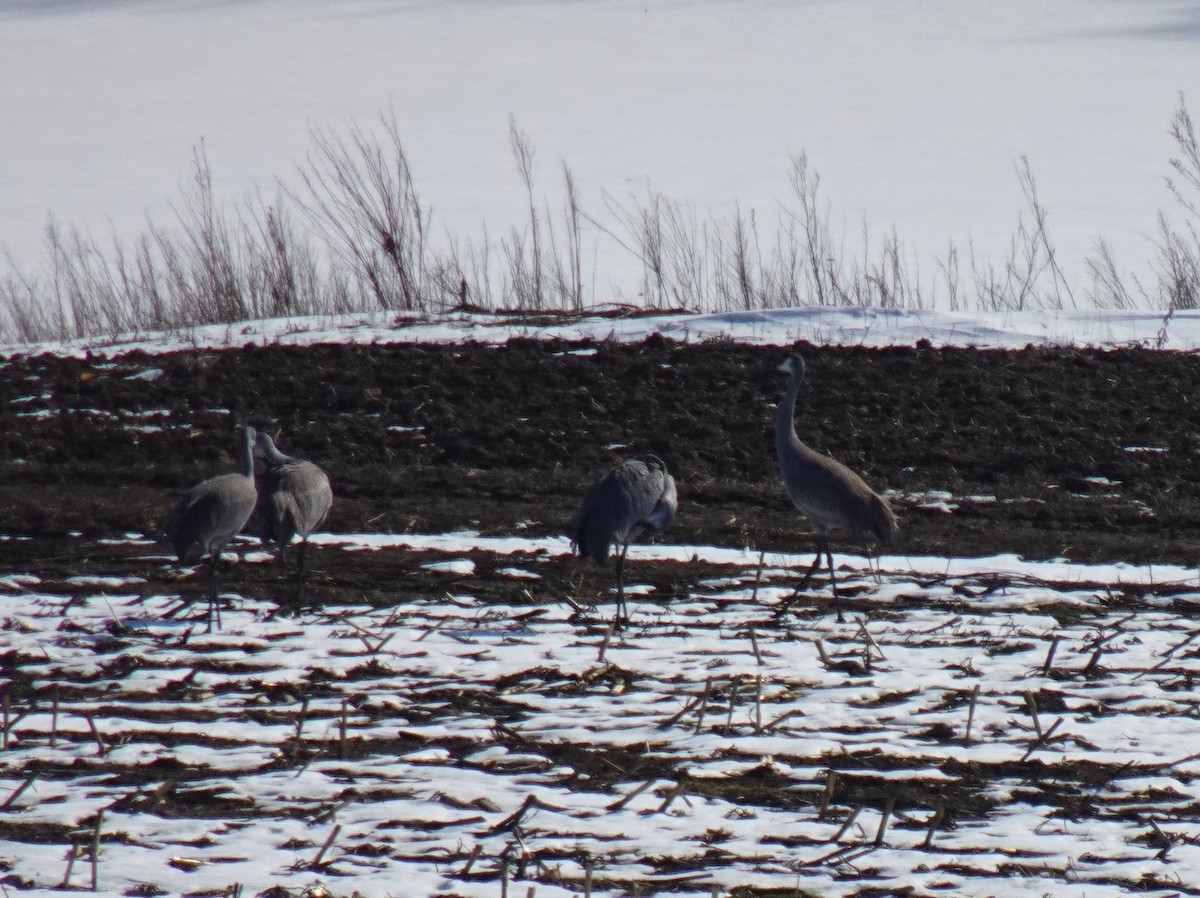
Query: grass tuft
{"points": [[351, 233]]}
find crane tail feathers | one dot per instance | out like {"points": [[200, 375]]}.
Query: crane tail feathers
{"points": [[587, 542]]}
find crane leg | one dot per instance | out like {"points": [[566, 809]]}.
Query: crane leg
{"points": [[298, 586], [837, 604], [812, 569], [300, 559], [829, 561], [213, 609], [822, 553], [622, 614]]}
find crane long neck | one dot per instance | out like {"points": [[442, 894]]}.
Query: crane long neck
{"points": [[248, 454], [785, 427], [274, 457]]}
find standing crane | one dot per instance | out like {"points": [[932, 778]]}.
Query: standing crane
{"points": [[294, 497], [635, 493], [830, 494], [212, 513]]}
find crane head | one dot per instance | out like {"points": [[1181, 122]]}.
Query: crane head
{"points": [[793, 366], [654, 463]]}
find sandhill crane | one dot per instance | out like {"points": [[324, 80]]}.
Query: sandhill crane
{"points": [[830, 494], [294, 497], [210, 514], [635, 493]]}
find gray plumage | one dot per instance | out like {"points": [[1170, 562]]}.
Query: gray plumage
{"points": [[831, 495], [637, 493], [294, 497], [212, 513]]}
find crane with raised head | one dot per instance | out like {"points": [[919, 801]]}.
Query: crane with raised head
{"points": [[211, 514], [831, 496], [635, 494]]}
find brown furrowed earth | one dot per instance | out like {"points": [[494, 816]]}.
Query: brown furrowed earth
{"points": [[1082, 454]]}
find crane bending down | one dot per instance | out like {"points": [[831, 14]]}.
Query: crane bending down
{"points": [[212, 513], [636, 493], [830, 494], [294, 497]]}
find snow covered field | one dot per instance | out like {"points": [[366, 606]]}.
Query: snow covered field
{"points": [[976, 726], [776, 327], [996, 727]]}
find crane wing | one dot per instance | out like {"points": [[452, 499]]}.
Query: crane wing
{"points": [[633, 493]]}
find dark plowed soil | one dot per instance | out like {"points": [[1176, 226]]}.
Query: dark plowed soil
{"points": [[1051, 452]]}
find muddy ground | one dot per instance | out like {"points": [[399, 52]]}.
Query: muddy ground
{"points": [[1083, 454], [1046, 452]]}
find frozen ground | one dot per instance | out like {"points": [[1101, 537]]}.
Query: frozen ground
{"points": [[913, 113], [975, 727], [450, 712]]}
